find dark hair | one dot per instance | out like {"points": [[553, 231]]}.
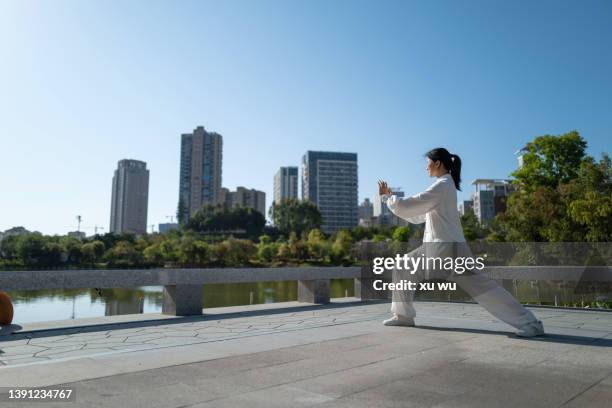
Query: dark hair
{"points": [[451, 162]]}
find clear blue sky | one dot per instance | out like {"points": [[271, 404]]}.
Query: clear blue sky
{"points": [[84, 84]]}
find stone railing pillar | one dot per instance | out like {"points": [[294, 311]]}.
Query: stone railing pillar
{"points": [[182, 300], [364, 284], [314, 291]]}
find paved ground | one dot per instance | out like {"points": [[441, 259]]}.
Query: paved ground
{"points": [[325, 356]]}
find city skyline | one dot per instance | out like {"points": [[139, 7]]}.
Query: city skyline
{"points": [[386, 81]]}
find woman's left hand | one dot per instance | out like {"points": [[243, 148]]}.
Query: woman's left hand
{"points": [[383, 188]]}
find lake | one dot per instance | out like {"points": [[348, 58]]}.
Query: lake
{"points": [[60, 304]]}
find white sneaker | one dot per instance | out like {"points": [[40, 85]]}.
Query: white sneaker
{"points": [[399, 321], [532, 329]]}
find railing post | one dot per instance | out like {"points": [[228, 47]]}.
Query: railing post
{"points": [[364, 284], [314, 291], [182, 300]]}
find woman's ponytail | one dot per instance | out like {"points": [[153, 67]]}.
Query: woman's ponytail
{"points": [[455, 170], [451, 162]]}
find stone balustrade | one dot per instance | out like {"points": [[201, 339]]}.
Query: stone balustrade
{"points": [[183, 287]]}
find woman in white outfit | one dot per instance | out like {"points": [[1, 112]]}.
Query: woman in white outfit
{"points": [[437, 208]]}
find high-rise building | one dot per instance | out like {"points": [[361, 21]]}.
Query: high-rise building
{"points": [[200, 175], [520, 154], [245, 197], [383, 214], [285, 184], [465, 207], [366, 213], [130, 198], [329, 180], [224, 196], [365, 210], [490, 198]]}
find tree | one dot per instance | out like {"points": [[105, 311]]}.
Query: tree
{"points": [[283, 253], [380, 237], [193, 252], [92, 251], [402, 234], [219, 254], [318, 247], [238, 251], [52, 254], [72, 247], [496, 230], [591, 207], [472, 230], [550, 160], [562, 195], [292, 215], [297, 248], [168, 249], [341, 246], [8, 247], [110, 239], [266, 249], [153, 254], [124, 254], [360, 233], [595, 212], [32, 250]]}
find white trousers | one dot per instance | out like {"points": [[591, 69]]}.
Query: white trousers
{"points": [[484, 290]]}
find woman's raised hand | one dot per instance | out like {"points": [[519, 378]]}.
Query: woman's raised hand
{"points": [[383, 188]]}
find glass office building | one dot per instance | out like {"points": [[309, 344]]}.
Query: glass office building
{"points": [[329, 179]]}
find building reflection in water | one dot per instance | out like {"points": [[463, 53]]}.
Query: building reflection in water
{"points": [[116, 307]]}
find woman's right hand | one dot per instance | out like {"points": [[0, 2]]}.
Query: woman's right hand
{"points": [[383, 188]]}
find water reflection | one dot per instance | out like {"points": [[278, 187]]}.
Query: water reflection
{"points": [[48, 305]]}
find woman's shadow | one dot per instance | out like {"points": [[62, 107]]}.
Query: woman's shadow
{"points": [[547, 337]]}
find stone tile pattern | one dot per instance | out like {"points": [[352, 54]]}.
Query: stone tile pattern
{"points": [[459, 357], [89, 341]]}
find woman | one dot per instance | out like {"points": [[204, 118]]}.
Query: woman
{"points": [[437, 208]]}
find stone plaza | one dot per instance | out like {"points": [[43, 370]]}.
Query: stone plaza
{"points": [[335, 355]]}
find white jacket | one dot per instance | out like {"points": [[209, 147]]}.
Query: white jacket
{"points": [[436, 207]]}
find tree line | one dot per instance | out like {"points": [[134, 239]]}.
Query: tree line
{"points": [[188, 248]]}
